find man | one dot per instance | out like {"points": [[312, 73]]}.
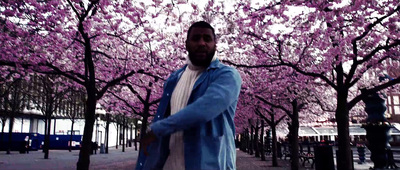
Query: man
{"points": [[193, 127]]}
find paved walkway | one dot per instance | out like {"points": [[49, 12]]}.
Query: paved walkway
{"points": [[64, 160], [118, 160], [250, 162], [245, 161]]}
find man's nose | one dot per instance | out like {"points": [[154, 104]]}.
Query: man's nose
{"points": [[202, 42]]}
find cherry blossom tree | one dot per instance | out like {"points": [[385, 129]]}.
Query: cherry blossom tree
{"points": [[12, 104], [272, 121], [49, 93], [289, 100], [73, 107], [279, 88], [338, 43], [85, 41], [303, 46], [4, 92]]}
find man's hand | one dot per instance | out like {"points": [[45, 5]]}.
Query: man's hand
{"points": [[147, 139]]}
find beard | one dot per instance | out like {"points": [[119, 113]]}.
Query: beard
{"points": [[200, 61]]}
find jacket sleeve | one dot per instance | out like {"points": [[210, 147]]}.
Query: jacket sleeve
{"points": [[222, 92]]}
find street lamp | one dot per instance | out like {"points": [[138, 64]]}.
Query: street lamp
{"points": [[100, 112], [97, 128]]}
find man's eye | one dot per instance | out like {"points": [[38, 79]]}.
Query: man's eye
{"points": [[195, 38], [207, 39]]}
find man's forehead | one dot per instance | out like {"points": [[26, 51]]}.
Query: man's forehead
{"points": [[199, 31]]}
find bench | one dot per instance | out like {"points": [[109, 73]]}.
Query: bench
{"points": [[286, 154], [307, 157]]}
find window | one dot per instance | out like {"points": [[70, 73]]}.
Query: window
{"points": [[395, 100], [393, 104]]}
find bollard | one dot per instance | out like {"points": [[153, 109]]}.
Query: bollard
{"points": [[324, 157], [361, 154], [102, 148]]}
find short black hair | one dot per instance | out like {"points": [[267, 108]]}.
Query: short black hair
{"points": [[200, 24]]}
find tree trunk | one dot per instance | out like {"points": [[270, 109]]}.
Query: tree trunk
{"points": [[47, 136], [274, 146], [2, 130], [251, 140], [262, 141], [257, 147], [107, 131], [246, 140], [342, 117], [54, 129], [131, 138], [143, 129], [10, 134], [136, 136], [84, 154], [294, 142], [123, 133], [248, 143], [117, 143], [90, 85], [70, 136], [126, 133]]}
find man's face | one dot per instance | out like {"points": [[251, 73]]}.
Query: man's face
{"points": [[201, 46]]}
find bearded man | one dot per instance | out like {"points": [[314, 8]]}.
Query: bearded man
{"points": [[194, 125]]}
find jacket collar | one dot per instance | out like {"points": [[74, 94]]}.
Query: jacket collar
{"points": [[213, 65]]}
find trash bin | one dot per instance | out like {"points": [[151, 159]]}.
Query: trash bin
{"points": [[324, 157], [102, 148], [22, 147]]}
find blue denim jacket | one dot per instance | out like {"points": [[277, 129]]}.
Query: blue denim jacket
{"points": [[207, 121]]}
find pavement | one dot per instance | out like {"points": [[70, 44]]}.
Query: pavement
{"points": [[244, 161], [65, 160], [118, 160]]}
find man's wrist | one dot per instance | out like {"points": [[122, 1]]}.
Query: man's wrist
{"points": [[153, 130], [148, 130]]}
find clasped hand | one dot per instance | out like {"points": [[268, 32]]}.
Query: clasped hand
{"points": [[146, 141]]}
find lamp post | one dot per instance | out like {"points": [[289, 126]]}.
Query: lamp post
{"points": [[377, 127], [97, 128], [100, 112]]}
